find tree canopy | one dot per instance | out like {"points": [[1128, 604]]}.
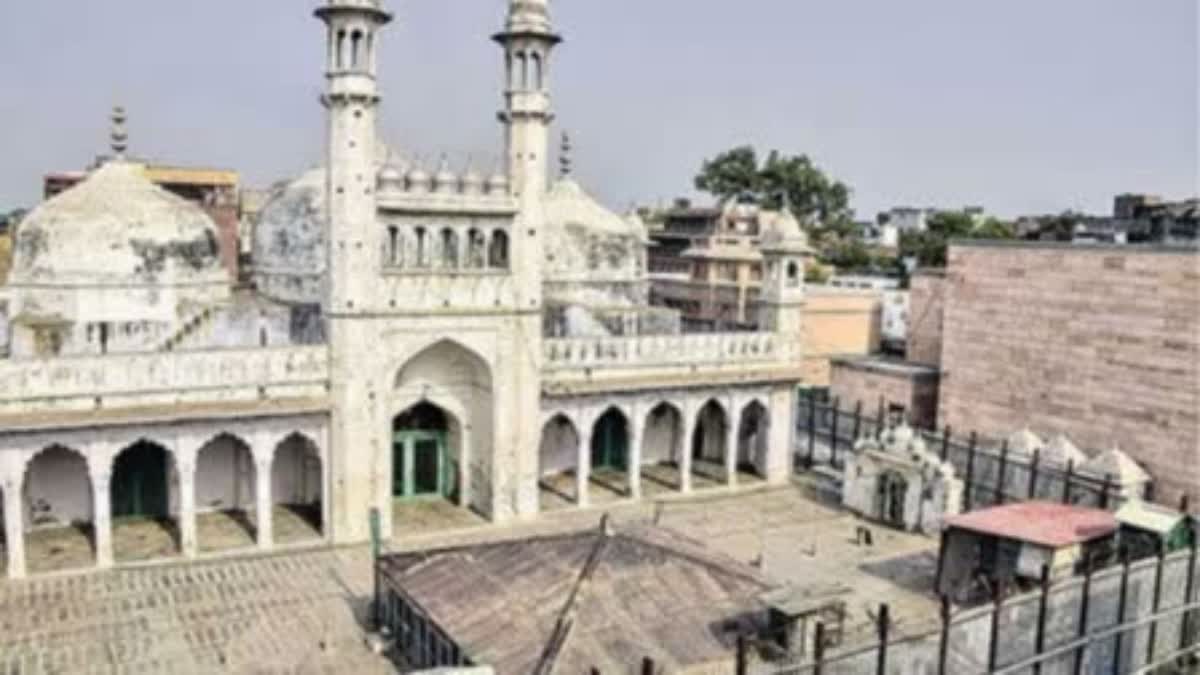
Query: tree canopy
{"points": [[929, 247], [815, 198]]}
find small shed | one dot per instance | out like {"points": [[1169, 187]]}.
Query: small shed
{"points": [[1147, 529], [1007, 546]]}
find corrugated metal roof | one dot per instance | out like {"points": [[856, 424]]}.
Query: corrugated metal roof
{"points": [[1042, 523]]}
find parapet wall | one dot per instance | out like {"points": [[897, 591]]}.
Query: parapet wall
{"points": [[89, 383]]}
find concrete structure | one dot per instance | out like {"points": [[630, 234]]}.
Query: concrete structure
{"points": [[905, 389], [897, 480], [839, 323], [1098, 343], [997, 547], [416, 336]]}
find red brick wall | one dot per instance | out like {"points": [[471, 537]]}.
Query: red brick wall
{"points": [[1099, 343], [926, 300]]}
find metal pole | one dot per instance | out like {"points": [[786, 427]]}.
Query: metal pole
{"points": [[812, 428], [1158, 578], [647, 666], [879, 420], [1003, 470], [1108, 481], [994, 639], [819, 650], [884, 624], [944, 644], [970, 482], [1084, 602], [858, 410], [743, 662], [1033, 473], [1043, 607], [833, 442], [1189, 591], [946, 443], [1121, 600], [373, 520], [1066, 496]]}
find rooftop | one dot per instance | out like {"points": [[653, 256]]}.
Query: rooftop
{"points": [[1048, 524]]}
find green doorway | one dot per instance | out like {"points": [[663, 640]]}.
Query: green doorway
{"points": [[139, 482], [421, 463], [610, 442]]}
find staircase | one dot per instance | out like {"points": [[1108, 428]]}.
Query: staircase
{"points": [[192, 327]]}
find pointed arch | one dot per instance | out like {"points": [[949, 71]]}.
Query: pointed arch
{"points": [[143, 502], [610, 440], [297, 489], [57, 495], [711, 432], [225, 492], [753, 438], [663, 437], [498, 250]]}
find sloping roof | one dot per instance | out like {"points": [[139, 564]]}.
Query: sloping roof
{"points": [[1042, 523], [1149, 517], [646, 593]]}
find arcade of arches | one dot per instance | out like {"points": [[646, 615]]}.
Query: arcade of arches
{"points": [[615, 453], [95, 503]]}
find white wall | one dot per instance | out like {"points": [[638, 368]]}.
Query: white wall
{"points": [[296, 473], [225, 476], [559, 448], [661, 438]]}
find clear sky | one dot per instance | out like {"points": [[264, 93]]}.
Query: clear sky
{"points": [[1022, 106]]}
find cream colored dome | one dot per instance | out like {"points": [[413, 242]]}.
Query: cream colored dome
{"points": [[569, 205], [117, 228]]}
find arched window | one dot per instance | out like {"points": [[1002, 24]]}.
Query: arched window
{"points": [[340, 61], [422, 260], [535, 63], [369, 54], [393, 246], [449, 249], [355, 48], [510, 72], [793, 274], [523, 70], [475, 249], [498, 251]]}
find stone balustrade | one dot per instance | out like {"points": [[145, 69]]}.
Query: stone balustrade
{"points": [[663, 350], [146, 378]]}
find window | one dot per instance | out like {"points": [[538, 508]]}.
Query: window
{"points": [[422, 260], [392, 252], [498, 251], [449, 248]]}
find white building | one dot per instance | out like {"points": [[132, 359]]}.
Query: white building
{"points": [[396, 348]]}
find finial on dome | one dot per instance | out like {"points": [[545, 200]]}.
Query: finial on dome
{"points": [[564, 156], [118, 135]]}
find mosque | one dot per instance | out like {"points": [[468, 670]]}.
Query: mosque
{"points": [[412, 335]]}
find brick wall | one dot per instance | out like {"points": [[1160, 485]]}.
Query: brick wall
{"points": [[1099, 343], [226, 218], [915, 389], [926, 298]]}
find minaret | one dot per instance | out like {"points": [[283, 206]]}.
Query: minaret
{"points": [[119, 137], [352, 101], [528, 39], [353, 264]]}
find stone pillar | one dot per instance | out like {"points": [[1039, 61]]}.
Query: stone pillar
{"points": [[636, 433], [262, 495], [731, 444], [102, 518], [685, 448], [188, 538], [583, 467], [464, 469], [781, 435], [14, 529]]}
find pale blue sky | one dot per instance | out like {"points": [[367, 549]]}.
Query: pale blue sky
{"points": [[1020, 106]]}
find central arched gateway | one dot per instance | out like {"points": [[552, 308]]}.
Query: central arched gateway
{"points": [[440, 436]]}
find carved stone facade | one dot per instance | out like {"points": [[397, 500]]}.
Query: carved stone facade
{"points": [[432, 295], [898, 481]]}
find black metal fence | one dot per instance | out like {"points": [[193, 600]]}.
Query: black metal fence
{"points": [[1133, 618], [991, 473]]}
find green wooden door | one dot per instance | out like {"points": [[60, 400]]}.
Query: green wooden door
{"points": [[610, 442], [139, 483], [420, 464]]}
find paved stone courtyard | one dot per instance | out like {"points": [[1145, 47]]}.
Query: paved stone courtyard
{"points": [[300, 612]]}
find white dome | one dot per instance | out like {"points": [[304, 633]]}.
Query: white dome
{"points": [[117, 228]]}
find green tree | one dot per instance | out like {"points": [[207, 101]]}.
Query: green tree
{"points": [[811, 194], [929, 247]]}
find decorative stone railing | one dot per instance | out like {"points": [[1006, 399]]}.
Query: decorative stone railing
{"points": [[664, 350], [199, 375]]}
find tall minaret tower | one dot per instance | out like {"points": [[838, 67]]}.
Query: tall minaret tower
{"points": [[528, 39], [352, 99]]}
